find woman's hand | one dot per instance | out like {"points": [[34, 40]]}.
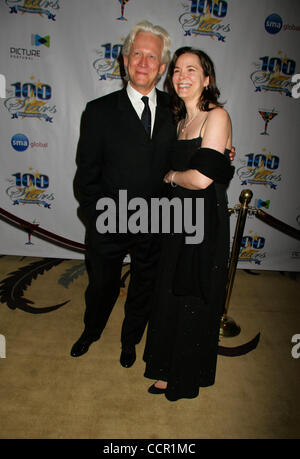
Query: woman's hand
{"points": [[170, 176], [190, 179]]}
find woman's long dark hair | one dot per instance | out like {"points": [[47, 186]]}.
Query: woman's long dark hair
{"points": [[209, 96]]}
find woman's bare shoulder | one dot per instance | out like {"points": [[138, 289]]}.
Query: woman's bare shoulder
{"points": [[218, 114]]}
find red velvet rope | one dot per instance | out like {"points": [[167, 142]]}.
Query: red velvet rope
{"points": [[33, 228], [231, 352], [261, 215]]}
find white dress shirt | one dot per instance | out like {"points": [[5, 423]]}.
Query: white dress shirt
{"points": [[136, 100]]}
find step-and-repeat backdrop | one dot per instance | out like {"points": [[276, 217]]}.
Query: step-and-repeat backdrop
{"points": [[58, 54]]}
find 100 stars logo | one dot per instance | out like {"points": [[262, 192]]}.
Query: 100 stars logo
{"points": [[40, 7], [30, 100], [274, 74], [205, 18]]}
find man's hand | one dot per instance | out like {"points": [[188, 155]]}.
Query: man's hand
{"points": [[232, 154]]}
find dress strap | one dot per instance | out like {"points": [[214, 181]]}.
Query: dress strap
{"points": [[178, 127], [202, 125]]}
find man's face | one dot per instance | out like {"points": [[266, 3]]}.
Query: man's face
{"points": [[144, 61]]}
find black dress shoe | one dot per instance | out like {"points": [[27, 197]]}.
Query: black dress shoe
{"points": [[128, 356], [156, 390], [82, 345]]}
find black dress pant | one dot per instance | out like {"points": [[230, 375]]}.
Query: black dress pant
{"points": [[104, 261]]}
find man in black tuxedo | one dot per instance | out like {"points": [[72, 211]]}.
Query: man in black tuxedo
{"points": [[115, 152]]}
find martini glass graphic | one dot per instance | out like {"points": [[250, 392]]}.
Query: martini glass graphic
{"points": [[123, 3], [29, 232], [267, 116]]}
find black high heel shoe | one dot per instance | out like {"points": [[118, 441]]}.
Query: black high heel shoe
{"points": [[156, 390]]}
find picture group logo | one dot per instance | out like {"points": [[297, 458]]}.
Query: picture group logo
{"points": [[205, 18], [107, 64], [37, 40], [30, 100], [262, 203], [274, 74], [40, 7], [32, 53], [251, 250], [20, 142], [30, 188], [267, 116], [260, 169]]}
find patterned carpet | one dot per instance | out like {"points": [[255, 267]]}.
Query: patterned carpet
{"points": [[45, 393]]}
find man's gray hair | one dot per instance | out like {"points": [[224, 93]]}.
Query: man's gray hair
{"points": [[146, 26]]}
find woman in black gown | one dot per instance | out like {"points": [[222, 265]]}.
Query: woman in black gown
{"points": [[182, 339]]}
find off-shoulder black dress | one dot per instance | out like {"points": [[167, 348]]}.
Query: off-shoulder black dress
{"points": [[188, 300]]}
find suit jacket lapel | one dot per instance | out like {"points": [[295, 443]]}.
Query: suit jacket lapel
{"points": [[161, 115], [131, 119], [129, 115]]}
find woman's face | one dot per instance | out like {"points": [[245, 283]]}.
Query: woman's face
{"points": [[188, 77]]}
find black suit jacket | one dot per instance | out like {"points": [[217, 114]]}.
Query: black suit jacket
{"points": [[115, 153]]}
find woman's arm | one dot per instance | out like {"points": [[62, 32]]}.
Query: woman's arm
{"points": [[217, 136]]}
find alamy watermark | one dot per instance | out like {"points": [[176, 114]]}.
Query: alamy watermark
{"points": [[166, 216], [296, 87], [2, 347], [2, 86], [296, 348]]}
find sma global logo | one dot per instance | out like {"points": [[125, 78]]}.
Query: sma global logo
{"points": [[273, 24], [20, 142]]}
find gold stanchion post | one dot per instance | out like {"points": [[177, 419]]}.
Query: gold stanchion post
{"points": [[228, 326]]}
